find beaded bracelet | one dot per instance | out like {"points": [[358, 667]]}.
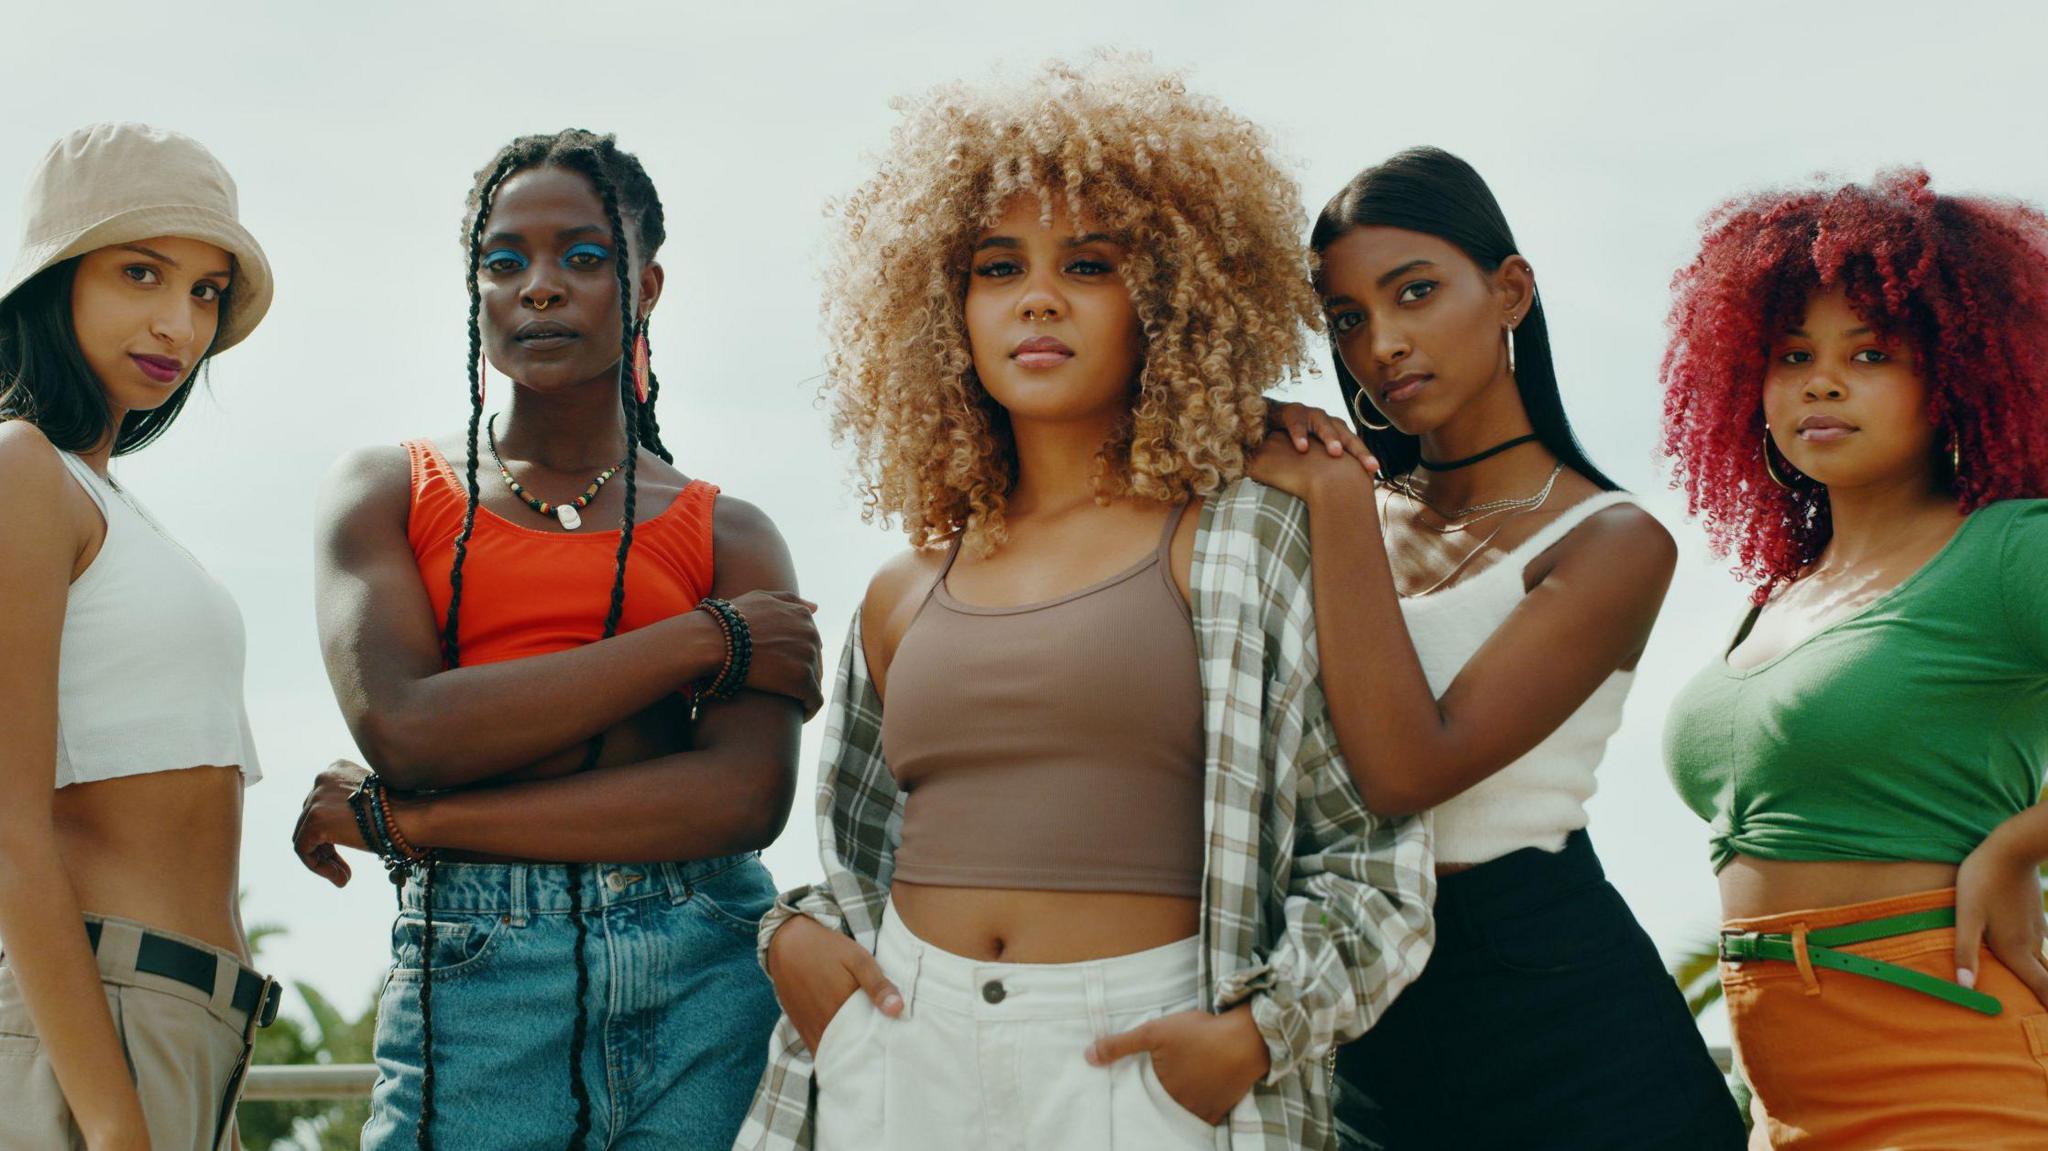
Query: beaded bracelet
{"points": [[739, 649], [371, 804], [404, 846]]}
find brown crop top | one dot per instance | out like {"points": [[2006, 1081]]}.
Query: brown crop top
{"points": [[1054, 746]]}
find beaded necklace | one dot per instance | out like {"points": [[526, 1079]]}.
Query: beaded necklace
{"points": [[567, 514]]}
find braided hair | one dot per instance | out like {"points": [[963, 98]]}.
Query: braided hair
{"points": [[623, 185]]}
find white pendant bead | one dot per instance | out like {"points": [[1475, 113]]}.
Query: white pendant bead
{"points": [[567, 514]]}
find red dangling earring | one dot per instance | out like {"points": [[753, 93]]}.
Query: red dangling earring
{"points": [[640, 363]]}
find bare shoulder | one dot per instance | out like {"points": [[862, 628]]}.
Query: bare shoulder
{"points": [[1625, 541], [748, 551], [373, 482], [900, 584], [28, 460], [42, 509]]}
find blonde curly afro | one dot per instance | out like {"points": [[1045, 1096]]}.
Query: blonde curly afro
{"points": [[1216, 268]]}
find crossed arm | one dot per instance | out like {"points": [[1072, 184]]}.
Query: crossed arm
{"points": [[464, 746]]}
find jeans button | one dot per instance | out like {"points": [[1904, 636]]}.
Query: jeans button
{"points": [[992, 991]]}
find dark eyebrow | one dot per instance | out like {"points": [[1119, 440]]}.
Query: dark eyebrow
{"points": [[1012, 243], [1801, 332], [159, 257], [1402, 270], [1332, 301], [579, 230], [152, 253]]}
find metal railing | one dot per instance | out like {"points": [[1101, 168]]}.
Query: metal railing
{"points": [[269, 1083]]}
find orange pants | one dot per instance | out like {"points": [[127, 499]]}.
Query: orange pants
{"points": [[1841, 1062]]}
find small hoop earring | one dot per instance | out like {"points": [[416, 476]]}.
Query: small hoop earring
{"points": [[1770, 465], [1358, 409], [1955, 457]]}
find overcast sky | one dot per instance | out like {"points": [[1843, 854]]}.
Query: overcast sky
{"points": [[1606, 131]]}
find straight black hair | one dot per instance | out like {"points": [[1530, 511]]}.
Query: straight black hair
{"points": [[1428, 190], [45, 380]]}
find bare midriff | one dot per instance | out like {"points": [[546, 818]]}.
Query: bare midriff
{"points": [[1017, 926], [1752, 887], [163, 848]]}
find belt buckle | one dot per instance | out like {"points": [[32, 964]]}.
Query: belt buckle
{"points": [[1734, 946], [267, 1002]]}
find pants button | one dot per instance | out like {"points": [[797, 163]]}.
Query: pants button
{"points": [[992, 991]]}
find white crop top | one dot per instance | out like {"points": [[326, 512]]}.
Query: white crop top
{"points": [[1540, 799], [150, 674]]}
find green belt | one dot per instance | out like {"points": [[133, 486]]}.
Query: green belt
{"points": [[1742, 946]]}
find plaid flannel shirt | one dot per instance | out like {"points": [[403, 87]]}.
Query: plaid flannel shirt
{"points": [[1314, 909]]}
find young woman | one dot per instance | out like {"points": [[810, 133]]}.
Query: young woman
{"points": [[1094, 877], [127, 1006], [1482, 613], [1857, 400], [539, 696]]}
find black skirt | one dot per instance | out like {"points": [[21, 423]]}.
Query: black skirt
{"points": [[1545, 1019]]}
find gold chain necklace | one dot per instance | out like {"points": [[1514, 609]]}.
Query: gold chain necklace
{"points": [[1534, 502]]}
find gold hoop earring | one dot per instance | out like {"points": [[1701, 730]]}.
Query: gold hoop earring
{"points": [[1770, 466], [1358, 409]]}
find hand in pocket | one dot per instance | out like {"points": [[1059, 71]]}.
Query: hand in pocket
{"points": [[1206, 1062]]}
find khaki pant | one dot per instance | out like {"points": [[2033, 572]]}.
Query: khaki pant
{"points": [[186, 1050]]}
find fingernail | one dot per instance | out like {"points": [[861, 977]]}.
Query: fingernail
{"points": [[892, 1003], [1966, 977], [1093, 1056]]}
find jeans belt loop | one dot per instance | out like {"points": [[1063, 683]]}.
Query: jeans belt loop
{"points": [[1804, 959], [1098, 1001], [225, 976], [907, 986], [518, 911]]}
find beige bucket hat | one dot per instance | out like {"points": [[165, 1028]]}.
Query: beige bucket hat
{"points": [[119, 183]]}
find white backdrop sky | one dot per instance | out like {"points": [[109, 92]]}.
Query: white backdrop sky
{"points": [[1606, 130]]}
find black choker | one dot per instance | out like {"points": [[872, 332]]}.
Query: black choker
{"points": [[1468, 461]]}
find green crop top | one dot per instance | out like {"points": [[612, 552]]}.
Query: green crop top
{"points": [[1907, 731]]}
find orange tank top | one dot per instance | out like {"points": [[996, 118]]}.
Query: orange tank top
{"points": [[529, 592]]}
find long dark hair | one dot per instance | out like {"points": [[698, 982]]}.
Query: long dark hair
{"points": [[1428, 190], [45, 380], [622, 183]]}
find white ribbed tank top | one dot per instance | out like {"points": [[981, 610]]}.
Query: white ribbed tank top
{"points": [[1540, 799], [149, 677]]}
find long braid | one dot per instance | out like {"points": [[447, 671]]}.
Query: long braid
{"points": [[629, 401], [451, 647], [423, 1134], [650, 428], [622, 184]]}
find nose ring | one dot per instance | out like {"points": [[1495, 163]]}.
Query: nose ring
{"points": [[543, 305]]}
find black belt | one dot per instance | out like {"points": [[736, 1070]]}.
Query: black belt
{"points": [[195, 967]]}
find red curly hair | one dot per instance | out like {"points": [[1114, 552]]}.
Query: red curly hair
{"points": [[1963, 281]]}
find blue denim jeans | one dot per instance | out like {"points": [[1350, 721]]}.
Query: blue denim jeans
{"points": [[678, 1013]]}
